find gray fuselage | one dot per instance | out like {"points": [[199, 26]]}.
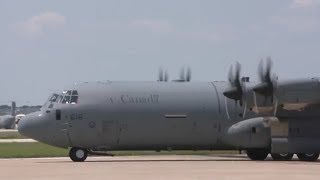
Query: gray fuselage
{"points": [[140, 116]]}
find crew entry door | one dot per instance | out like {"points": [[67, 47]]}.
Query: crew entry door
{"points": [[62, 128]]}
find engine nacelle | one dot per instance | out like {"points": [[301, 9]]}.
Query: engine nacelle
{"points": [[250, 133]]}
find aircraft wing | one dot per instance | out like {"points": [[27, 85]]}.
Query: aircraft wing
{"points": [[289, 98]]}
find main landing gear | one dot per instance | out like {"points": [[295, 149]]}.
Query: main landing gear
{"points": [[258, 154], [308, 157], [282, 156], [261, 154], [78, 154]]}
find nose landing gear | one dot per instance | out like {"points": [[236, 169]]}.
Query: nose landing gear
{"points": [[78, 154], [258, 154]]}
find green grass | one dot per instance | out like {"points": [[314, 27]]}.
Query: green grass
{"points": [[23, 150], [36, 149], [13, 136], [10, 135]]}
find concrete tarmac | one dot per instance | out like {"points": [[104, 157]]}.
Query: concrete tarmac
{"points": [[158, 167]]}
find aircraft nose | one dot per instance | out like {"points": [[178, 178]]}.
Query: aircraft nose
{"points": [[28, 124]]}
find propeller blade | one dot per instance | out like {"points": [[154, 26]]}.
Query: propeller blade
{"points": [[160, 75], [267, 83], [235, 91], [166, 76], [261, 71], [237, 71], [268, 69], [230, 74], [188, 75], [182, 75]]}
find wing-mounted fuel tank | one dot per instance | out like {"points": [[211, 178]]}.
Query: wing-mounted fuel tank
{"points": [[250, 133]]}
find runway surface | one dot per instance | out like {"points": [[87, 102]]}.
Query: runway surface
{"points": [[158, 167]]}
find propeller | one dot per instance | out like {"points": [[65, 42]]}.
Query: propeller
{"points": [[184, 76], [166, 76], [163, 76], [160, 75], [267, 82], [236, 86], [188, 74]]}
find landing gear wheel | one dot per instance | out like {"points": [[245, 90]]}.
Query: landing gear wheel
{"points": [[308, 156], [78, 154], [257, 154], [281, 156]]}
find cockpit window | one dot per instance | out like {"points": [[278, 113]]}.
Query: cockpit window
{"points": [[74, 99], [59, 99], [69, 92], [54, 97], [75, 93], [69, 97], [66, 100], [50, 101], [66, 97]]}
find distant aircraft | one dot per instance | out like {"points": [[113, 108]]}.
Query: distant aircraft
{"points": [[9, 121], [271, 116], [18, 117]]}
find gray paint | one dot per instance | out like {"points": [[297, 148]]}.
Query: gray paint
{"points": [[167, 115]]}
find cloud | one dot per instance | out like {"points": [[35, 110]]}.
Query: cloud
{"points": [[297, 24], [219, 33], [36, 25], [153, 25], [305, 3]]}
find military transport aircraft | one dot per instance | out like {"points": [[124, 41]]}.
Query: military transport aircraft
{"points": [[274, 116], [9, 121]]}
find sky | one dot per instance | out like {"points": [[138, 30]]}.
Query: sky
{"points": [[49, 44]]}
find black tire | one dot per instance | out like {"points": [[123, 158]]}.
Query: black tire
{"points": [[308, 157], [78, 154], [282, 156], [257, 154]]}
